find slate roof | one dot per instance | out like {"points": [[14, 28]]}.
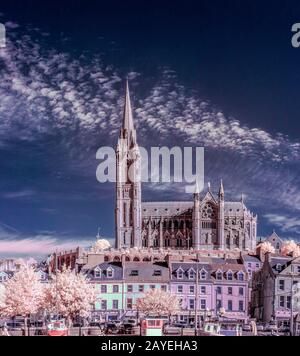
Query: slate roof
{"points": [[116, 266], [146, 272], [249, 258]]}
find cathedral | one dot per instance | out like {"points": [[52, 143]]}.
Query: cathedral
{"points": [[207, 222]]}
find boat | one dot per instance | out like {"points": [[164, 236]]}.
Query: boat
{"points": [[57, 328]]}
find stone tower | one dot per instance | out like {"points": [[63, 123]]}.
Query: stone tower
{"points": [[128, 182], [221, 217], [197, 219]]}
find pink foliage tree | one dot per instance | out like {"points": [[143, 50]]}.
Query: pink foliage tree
{"points": [[70, 295], [266, 247], [23, 294], [290, 248], [158, 302]]}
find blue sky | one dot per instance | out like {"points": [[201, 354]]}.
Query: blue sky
{"points": [[222, 76]]}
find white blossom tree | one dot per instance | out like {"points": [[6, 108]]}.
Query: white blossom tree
{"points": [[290, 248], [100, 245], [266, 247], [70, 295], [23, 294], [158, 302], [2, 296]]}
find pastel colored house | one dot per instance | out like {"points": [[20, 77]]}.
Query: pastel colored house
{"points": [[140, 277], [109, 283], [273, 290], [219, 285], [5, 276]]}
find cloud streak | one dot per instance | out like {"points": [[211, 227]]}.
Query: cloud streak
{"points": [[78, 100]]}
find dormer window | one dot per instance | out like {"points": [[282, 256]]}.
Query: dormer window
{"points": [[229, 276], [3, 278], [241, 276], [134, 272], [109, 272], [97, 273], [180, 273], [278, 267], [157, 272], [219, 275], [203, 274], [192, 273]]}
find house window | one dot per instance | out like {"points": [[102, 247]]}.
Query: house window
{"points": [[281, 284], [241, 277], [103, 288], [191, 303], [257, 265], [180, 274], [115, 304], [203, 304], [157, 272], [298, 269], [241, 291], [104, 304], [97, 273], [141, 288], [219, 303], [241, 306], [219, 290], [129, 303], [229, 290], [115, 289], [203, 290], [229, 276], [219, 276], [192, 289], [288, 302], [152, 286], [281, 301], [109, 273], [134, 272], [203, 275], [130, 288], [164, 288], [179, 289], [192, 274], [229, 308]]}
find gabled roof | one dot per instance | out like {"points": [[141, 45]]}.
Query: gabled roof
{"points": [[147, 272], [116, 266]]}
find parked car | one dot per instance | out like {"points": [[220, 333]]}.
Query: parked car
{"points": [[172, 329], [271, 328], [111, 328], [11, 325], [129, 322], [260, 327], [247, 327], [97, 324]]}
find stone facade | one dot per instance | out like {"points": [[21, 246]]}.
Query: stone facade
{"points": [[208, 222], [273, 291]]}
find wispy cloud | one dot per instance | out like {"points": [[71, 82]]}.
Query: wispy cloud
{"points": [[19, 194], [79, 99], [284, 222], [39, 245]]}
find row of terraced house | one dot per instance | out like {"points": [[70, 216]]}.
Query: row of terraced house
{"points": [[204, 283]]}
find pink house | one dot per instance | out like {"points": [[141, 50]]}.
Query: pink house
{"points": [[221, 289]]}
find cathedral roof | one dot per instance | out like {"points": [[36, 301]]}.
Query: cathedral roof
{"points": [[165, 208]]}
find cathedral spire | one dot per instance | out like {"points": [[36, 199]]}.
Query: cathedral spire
{"points": [[128, 132], [127, 116], [197, 189], [221, 191]]}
